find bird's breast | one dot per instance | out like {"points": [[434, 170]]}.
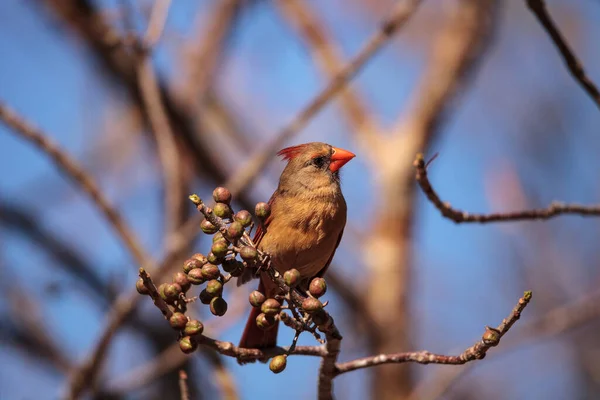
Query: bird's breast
{"points": [[303, 235]]}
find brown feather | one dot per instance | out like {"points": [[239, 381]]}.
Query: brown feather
{"points": [[308, 215]]}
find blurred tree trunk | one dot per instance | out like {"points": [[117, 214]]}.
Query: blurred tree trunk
{"points": [[456, 49]]}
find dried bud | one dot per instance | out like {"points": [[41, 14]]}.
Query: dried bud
{"points": [[262, 210], [161, 290], [182, 280], [270, 307], [188, 345], [207, 227], [265, 322], [200, 257], [317, 287], [311, 305], [219, 248], [172, 292], [222, 210], [218, 236], [210, 271], [190, 264], [205, 297], [139, 285], [222, 195], [213, 259], [214, 287], [195, 276], [257, 298], [248, 253], [218, 306], [235, 230], [193, 327], [243, 217], [278, 364], [491, 337], [291, 277], [178, 321], [230, 265]]}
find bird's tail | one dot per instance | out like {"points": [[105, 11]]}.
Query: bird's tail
{"points": [[254, 337]]}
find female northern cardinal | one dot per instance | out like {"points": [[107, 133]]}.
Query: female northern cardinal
{"points": [[308, 215]]}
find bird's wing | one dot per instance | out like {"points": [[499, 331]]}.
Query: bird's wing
{"points": [[324, 269], [262, 228]]}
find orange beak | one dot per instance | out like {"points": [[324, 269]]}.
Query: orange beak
{"points": [[339, 158]]}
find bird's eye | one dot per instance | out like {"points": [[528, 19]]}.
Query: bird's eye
{"points": [[319, 162]]}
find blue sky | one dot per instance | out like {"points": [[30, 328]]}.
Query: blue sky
{"points": [[523, 115]]}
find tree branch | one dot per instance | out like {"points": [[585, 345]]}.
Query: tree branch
{"points": [[328, 366], [158, 117], [457, 47], [156, 25], [538, 7], [183, 387], [459, 216], [552, 323], [248, 172], [228, 348], [205, 50], [490, 338], [327, 56], [75, 172]]}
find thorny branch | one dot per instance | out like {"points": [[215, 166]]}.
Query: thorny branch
{"points": [[538, 7], [460, 216]]}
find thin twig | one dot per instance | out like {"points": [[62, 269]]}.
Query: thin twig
{"points": [[244, 354], [74, 171], [206, 48], [552, 323], [250, 169], [328, 368], [156, 25], [166, 145], [183, 387], [538, 7], [458, 216], [490, 338], [153, 293]]}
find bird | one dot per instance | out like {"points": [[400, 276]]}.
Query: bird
{"points": [[305, 226]]}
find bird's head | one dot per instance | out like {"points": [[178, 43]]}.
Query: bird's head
{"points": [[313, 165]]}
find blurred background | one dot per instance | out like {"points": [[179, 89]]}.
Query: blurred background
{"points": [[517, 132]]}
